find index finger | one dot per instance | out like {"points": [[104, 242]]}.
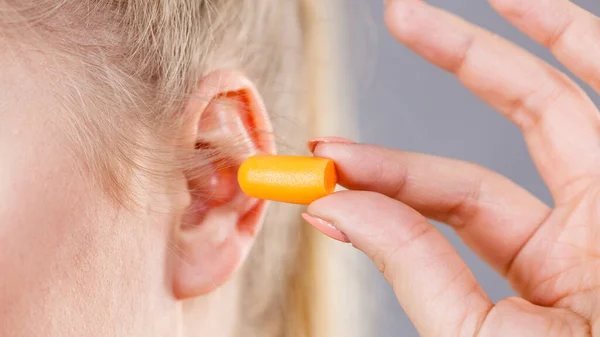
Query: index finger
{"points": [[494, 216]]}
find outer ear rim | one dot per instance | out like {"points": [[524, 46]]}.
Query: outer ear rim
{"points": [[221, 82]]}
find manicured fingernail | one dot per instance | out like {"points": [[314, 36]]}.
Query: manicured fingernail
{"points": [[312, 145], [325, 227]]}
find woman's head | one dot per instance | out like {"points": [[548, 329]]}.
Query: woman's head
{"points": [[122, 125]]}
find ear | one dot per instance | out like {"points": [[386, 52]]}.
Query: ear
{"points": [[226, 117]]}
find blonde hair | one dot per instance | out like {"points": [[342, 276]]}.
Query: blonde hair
{"points": [[137, 60]]}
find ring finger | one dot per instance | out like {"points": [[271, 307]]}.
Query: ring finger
{"points": [[569, 31], [558, 120]]}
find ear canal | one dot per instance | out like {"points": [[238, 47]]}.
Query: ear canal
{"points": [[214, 187]]}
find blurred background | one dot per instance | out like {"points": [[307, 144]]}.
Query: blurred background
{"points": [[405, 103]]}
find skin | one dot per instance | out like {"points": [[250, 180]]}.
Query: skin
{"points": [[65, 250], [551, 256], [74, 262]]}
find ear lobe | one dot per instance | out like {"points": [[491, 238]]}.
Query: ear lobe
{"points": [[208, 255], [227, 115]]}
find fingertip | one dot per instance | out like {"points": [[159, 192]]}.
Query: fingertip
{"points": [[401, 16]]}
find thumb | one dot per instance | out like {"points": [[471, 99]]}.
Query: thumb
{"points": [[432, 283]]}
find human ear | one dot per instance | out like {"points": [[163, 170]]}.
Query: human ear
{"points": [[226, 118]]}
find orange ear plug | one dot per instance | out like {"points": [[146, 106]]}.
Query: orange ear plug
{"points": [[291, 179]]}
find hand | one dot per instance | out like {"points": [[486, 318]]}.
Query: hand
{"points": [[550, 256]]}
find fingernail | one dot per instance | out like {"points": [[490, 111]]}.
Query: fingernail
{"points": [[312, 145], [325, 227]]}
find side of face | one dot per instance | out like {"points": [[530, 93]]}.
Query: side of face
{"points": [[75, 262], [70, 259]]}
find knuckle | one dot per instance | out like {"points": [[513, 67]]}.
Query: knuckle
{"points": [[466, 206], [529, 110], [389, 175], [556, 36], [399, 184], [384, 263], [388, 256], [461, 58], [378, 173], [419, 229]]}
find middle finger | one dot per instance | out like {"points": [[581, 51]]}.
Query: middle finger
{"points": [[558, 120]]}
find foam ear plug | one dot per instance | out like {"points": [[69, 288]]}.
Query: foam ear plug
{"points": [[289, 179]]}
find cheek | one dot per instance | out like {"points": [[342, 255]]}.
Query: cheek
{"points": [[37, 208], [69, 260], [37, 191], [41, 213]]}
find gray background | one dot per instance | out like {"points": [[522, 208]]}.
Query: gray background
{"points": [[405, 103]]}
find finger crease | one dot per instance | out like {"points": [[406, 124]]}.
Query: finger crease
{"points": [[509, 266], [398, 187], [484, 316], [528, 111], [418, 231], [557, 36], [467, 208], [463, 57]]}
